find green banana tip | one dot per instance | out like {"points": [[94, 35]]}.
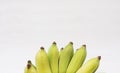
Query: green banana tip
{"points": [[71, 43], [28, 66], [61, 48], [29, 61], [54, 42], [42, 48], [99, 57], [84, 45]]}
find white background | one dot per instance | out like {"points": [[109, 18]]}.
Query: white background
{"points": [[25, 25]]}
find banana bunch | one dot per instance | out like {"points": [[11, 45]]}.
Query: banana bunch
{"points": [[63, 61]]}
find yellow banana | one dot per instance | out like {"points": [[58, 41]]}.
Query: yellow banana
{"points": [[90, 66], [65, 57], [53, 56], [30, 68], [42, 63], [60, 51], [59, 56], [77, 60]]}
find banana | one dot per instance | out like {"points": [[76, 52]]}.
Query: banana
{"points": [[30, 68], [42, 62], [59, 56], [65, 57], [77, 60], [90, 66], [53, 56], [60, 52]]}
